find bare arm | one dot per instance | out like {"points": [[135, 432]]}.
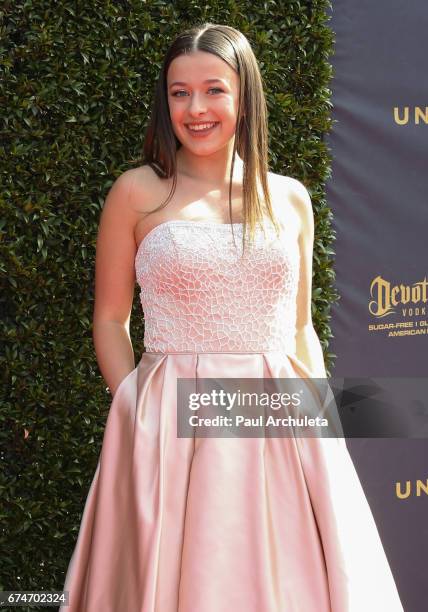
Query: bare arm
{"points": [[115, 283], [308, 346]]}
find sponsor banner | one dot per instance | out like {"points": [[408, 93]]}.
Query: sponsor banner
{"points": [[378, 193]]}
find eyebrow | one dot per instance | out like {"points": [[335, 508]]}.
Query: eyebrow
{"points": [[206, 81]]}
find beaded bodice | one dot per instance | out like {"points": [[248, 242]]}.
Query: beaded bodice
{"points": [[199, 295]]}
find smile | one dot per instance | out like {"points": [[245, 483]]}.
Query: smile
{"points": [[202, 127]]}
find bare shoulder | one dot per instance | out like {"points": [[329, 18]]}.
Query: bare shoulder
{"points": [[148, 189], [134, 189], [297, 197], [119, 214], [145, 176], [121, 188]]}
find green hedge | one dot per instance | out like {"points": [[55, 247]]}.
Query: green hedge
{"points": [[76, 86]]}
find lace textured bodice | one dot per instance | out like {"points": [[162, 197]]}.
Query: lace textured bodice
{"points": [[199, 295]]}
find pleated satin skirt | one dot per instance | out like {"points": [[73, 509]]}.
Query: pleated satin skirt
{"points": [[221, 524]]}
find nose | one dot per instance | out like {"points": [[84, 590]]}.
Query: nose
{"points": [[197, 104]]}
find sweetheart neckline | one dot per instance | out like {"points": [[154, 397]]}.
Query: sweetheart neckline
{"points": [[181, 221]]}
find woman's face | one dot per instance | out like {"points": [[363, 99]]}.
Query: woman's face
{"points": [[202, 89]]}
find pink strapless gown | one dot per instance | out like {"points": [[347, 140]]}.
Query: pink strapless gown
{"points": [[220, 524]]}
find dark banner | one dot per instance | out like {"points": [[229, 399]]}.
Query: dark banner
{"points": [[378, 193]]}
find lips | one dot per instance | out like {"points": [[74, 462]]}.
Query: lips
{"points": [[201, 132], [202, 129]]}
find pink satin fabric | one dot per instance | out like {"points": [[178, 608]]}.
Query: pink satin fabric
{"points": [[221, 525]]}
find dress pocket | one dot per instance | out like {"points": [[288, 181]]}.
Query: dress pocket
{"points": [[124, 381]]}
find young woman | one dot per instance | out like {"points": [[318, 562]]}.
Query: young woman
{"points": [[222, 251]]}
